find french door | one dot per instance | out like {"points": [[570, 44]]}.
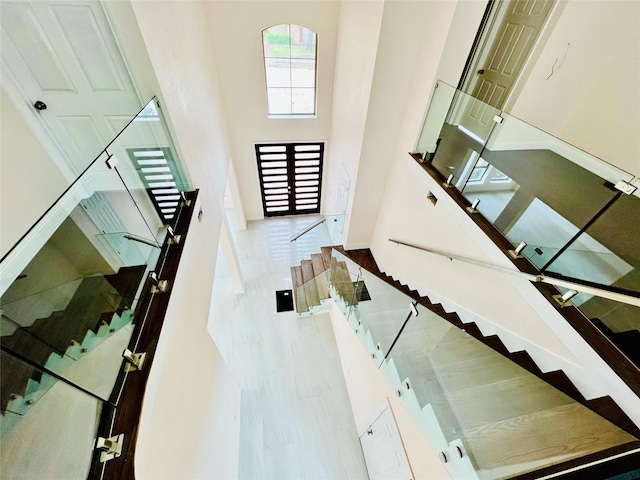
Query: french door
{"points": [[290, 177]]}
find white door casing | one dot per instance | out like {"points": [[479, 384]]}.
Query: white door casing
{"points": [[66, 55], [508, 41]]}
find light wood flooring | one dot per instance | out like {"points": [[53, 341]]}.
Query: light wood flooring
{"points": [[296, 420]]}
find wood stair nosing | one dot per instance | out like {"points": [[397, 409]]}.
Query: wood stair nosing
{"points": [[494, 342], [298, 293], [318, 264], [522, 358], [607, 408], [307, 271], [559, 380]]}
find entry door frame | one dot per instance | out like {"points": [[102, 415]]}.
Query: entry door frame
{"points": [[293, 164]]}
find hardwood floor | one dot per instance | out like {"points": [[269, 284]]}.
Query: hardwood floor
{"points": [[296, 420]]}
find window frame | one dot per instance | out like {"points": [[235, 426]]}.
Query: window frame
{"points": [[269, 88]]}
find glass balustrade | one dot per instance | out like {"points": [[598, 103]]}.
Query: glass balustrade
{"points": [[379, 312], [309, 233], [69, 296], [48, 427], [489, 417], [536, 188], [619, 322], [455, 132]]}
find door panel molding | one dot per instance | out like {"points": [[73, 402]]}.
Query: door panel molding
{"points": [[290, 177]]}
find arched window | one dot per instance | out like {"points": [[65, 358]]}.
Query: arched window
{"points": [[290, 69]]}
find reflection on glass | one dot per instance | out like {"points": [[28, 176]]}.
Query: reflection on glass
{"points": [[498, 413], [48, 427], [619, 322], [379, 313], [607, 252], [455, 130], [69, 297]]}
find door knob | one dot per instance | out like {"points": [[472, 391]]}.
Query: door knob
{"points": [[481, 71], [40, 105]]}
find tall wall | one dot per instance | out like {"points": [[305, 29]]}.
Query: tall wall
{"points": [[236, 29], [357, 45], [411, 39], [190, 421]]}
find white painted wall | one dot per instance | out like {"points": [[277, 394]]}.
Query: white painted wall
{"points": [[357, 45], [412, 38], [190, 423], [236, 29], [592, 100], [191, 396], [29, 177]]}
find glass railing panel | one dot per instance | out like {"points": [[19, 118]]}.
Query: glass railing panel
{"points": [[607, 252], [48, 427], [310, 297], [619, 322], [536, 188], [149, 166], [500, 415], [379, 313], [455, 131], [343, 279], [335, 226], [309, 233], [79, 252]]}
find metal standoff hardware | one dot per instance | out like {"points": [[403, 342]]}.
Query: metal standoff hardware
{"points": [[111, 447], [159, 286], [135, 361]]}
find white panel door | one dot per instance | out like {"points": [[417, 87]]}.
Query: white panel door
{"points": [[383, 450], [65, 55], [514, 35]]}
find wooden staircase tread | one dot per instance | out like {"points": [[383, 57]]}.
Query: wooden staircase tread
{"points": [[566, 431], [322, 284], [300, 299], [500, 401], [317, 263], [307, 270], [296, 277], [326, 256], [311, 293]]}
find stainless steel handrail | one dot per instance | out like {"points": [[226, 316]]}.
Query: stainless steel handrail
{"points": [[308, 228], [539, 278]]}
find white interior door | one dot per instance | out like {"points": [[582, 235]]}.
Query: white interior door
{"points": [[65, 55], [383, 451], [508, 42]]}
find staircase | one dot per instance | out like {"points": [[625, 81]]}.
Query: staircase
{"points": [[311, 281], [509, 417], [96, 312]]}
